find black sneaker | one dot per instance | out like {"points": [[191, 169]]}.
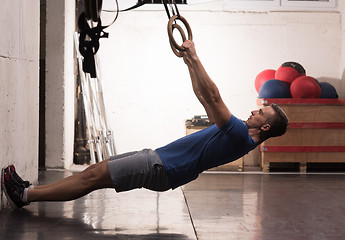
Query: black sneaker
{"points": [[12, 170], [13, 190]]}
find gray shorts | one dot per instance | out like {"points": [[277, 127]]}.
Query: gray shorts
{"points": [[143, 169]]}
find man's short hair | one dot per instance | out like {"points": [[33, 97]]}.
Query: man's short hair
{"points": [[279, 123]]}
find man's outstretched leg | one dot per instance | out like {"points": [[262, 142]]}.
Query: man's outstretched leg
{"points": [[94, 177], [142, 169]]}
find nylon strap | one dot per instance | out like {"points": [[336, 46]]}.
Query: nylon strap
{"points": [[139, 4], [89, 41], [165, 3]]}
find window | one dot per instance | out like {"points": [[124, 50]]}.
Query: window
{"points": [[252, 3], [177, 1], [280, 4], [309, 3], [234, 4], [150, 5]]}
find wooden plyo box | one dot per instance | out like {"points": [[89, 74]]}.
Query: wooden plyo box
{"points": [[201, 122], [316, 133]]}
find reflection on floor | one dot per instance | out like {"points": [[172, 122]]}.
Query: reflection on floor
{"points": [[239, 206]]}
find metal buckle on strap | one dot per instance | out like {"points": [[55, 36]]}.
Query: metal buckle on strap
{"points": [[168, 2]]}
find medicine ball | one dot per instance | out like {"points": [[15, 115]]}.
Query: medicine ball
{"points": [[274, 89], [289, 71], [263, 76], [328, 90], [305, 87]]}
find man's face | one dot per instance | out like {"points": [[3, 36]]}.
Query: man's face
{"points": [[259, 117]]}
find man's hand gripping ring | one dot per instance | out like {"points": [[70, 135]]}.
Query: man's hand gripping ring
{"points": [[171, 26]]}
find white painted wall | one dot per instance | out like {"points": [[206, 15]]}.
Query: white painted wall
{"points": [[19, 62], [60, 83], [148, 93], [341, 7]]}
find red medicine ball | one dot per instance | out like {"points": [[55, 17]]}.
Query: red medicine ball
{"points": [[305, 87], [263, 76], [289, 71]]}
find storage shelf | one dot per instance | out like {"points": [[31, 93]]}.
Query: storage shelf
{"points": [[316, 133]]}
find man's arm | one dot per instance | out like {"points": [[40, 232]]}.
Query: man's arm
{"points": [[199, 96], [204, 88]]}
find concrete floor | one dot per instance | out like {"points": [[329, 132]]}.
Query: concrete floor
{"points": [[215, 206]]}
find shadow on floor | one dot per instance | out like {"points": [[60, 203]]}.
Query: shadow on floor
{"points": [[102, 214], [24, 224]]}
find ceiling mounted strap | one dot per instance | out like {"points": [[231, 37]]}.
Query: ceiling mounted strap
{"points": [[139, 4], [89, 37]]}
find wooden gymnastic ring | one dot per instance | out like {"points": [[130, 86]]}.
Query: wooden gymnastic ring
{"points": [[183, 35], [170, 31], [93, 9]]}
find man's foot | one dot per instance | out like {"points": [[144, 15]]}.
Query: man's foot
{"points": [[13, 190], [11, 169]]}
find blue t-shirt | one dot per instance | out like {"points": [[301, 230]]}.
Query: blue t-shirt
{"points": [[186, 157]]}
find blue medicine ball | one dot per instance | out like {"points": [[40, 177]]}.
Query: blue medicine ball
{"points": [[328, 90], [274, 89]]}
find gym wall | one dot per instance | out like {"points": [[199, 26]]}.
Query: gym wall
{"points": [[19, 84], [148, 93]]}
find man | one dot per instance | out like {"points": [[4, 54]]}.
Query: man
{"points": [[170, 166]]}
